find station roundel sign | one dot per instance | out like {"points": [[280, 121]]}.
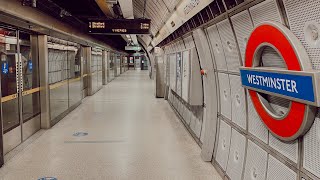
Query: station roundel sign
{"points": [[300, 116]]}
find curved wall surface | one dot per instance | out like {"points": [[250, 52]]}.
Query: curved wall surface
{"points": [[226, 124]]}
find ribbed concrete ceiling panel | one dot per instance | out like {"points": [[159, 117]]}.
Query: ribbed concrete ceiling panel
{"points": [[156, 10]]}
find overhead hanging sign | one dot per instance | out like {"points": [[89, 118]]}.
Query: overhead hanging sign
{"points": [[132, 48], [297, 83], [119, 26]]}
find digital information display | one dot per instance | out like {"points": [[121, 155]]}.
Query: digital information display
{"points": [[119, 26]]}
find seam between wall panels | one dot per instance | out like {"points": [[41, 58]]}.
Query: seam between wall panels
{"points": [[200, 69], [216, 81]]}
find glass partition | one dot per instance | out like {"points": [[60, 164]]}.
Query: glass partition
{"points": [[58, 79], [9, 59], [74, 58], [64, 75], [30, 78]]}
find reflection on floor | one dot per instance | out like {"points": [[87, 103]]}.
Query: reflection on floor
{"points": [[131, 135]]}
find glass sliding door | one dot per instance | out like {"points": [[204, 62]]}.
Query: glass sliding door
{"points": [[58, 79], [74, 58], [30, 84], [19, 86], [64, 77]]}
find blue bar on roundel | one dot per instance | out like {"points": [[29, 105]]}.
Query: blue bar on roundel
{"points": [[294, 86]]}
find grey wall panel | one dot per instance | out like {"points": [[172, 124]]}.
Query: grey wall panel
{"points": [[217, 48], [203, 50], [225, 99], [277, 170], [210, 119], [266, 11], [189, 43], [236, 155], [196, 88], [238, 114], [255, 125], [229, 45], [256, 163], [288, 149], [223, 144], [304, 17], [243, 27], [311, 149]]}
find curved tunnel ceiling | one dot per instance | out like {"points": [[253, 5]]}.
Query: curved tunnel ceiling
{"points": [[156, 10]]}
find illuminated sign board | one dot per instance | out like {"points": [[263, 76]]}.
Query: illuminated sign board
{"points": [[133, 48], [119, 26]]}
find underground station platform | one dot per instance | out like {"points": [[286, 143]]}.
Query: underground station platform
{"points": [[154, 90]]}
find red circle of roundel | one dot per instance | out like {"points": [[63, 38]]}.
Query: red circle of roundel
{"points": [[290, 125]]}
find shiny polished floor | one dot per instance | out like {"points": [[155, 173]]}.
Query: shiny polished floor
{"points": [[131, 135]]}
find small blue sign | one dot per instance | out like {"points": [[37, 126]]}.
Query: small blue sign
{"points": [[5, 68], [30, 65], [296, 86]]}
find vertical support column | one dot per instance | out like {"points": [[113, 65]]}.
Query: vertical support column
{"points": [[104, 67], [87, 53], [1, 132], [44, 81], [82, 71], [108, 66]]}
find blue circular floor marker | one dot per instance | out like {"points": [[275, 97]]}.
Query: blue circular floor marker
{"points": [[79, 134], [48, 178]]}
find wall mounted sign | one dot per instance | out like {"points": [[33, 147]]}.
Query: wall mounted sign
{"points": [[30, 65], [119, 26], [298, 83], [5, 68], [294, 85]]}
